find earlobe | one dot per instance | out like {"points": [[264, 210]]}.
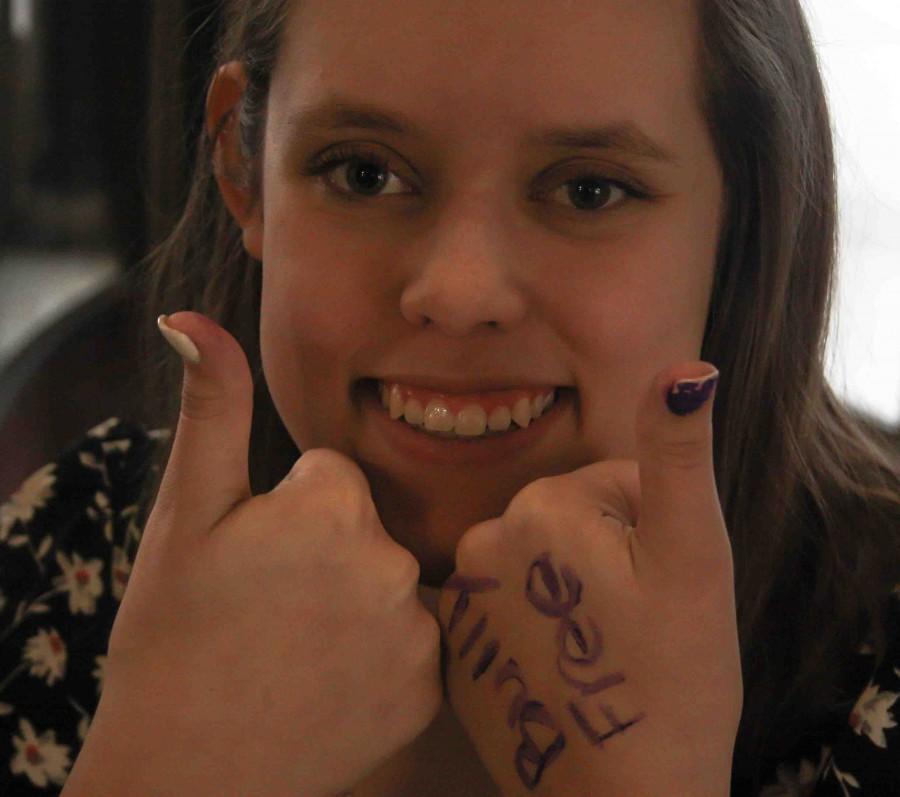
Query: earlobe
{"points": [[229, 165], [253, 238]]}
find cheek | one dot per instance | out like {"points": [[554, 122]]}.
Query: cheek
{"points": [[634, 302], [306, 379], [318, 285], [636, 309], [313, 325], [313, 301]]}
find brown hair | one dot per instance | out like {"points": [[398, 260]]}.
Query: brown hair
{"points": [[810, 491]]}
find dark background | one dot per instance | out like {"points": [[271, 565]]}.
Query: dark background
{"points": [[102, 101], [101, 104]]}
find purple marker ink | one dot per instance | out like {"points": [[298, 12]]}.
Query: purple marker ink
{"points": [[487, 657], [472, 638]]}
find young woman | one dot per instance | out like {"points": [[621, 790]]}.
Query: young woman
{"points": [[489, 269]]}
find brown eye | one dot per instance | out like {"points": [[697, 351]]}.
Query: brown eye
{"points": [[591, 193], [358, 174], [364, 173]]}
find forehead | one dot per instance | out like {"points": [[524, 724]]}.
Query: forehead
{"points": [[501, 65]]}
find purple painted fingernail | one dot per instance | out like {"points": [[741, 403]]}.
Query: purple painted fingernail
{"points": [[688, 395]]}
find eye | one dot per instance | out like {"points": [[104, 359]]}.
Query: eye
{"points": [[366, 173], [593, 192]]}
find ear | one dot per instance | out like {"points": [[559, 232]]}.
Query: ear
{"points": [[231, 168]]}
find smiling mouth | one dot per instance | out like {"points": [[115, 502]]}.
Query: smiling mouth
{"points": [[497, 417], [395, 437]]}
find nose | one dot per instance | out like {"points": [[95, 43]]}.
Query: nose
{"points": [[469, 279], [464, 286]]}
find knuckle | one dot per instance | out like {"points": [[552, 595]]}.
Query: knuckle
{"points": [[478, 545], [325, 458], [407, 570], [540, 489], [332, 467], [687, 454], [202, 404], [532, 498], [395, 574], [466, 551], [336, 478]]}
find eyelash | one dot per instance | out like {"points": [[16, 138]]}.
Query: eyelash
{"points": [[321, 165]]}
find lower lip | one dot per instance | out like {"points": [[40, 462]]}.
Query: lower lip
{"points": [[423, 447]]}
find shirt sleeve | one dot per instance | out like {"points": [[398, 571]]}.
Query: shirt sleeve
{"points": [[68, 536]]}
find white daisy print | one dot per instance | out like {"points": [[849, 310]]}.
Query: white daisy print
{"points": [[42, 760], [31, 495], [84, 725], [81, 580], [871, 714], [121, 446], [845, 779], [121, 571], [47, 653], [793, 780], [102, 429], [100, 672]]}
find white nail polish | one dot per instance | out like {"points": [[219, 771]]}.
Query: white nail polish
{"points": [[178, 340]]}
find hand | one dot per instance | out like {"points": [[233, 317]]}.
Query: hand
{"points": [[591, 631], [265, 645]]}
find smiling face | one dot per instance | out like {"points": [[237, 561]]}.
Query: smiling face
{"points": [[480, 250]]}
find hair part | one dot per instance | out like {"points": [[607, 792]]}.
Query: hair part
{"points": [[810, 490]]}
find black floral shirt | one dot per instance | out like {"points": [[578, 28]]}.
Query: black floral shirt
{"points": [[68, 537]]}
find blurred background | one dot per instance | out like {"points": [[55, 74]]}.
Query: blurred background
{"points": [[101, 105]]}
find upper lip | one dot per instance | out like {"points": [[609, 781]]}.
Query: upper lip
{"points": [[447, 384]]}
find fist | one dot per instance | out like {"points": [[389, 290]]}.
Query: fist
{"points": [[591, 629]]}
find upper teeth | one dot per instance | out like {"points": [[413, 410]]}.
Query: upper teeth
{"points": [[472, 420]]}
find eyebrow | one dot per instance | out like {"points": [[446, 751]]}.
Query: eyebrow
{"points": [[336, 112]]}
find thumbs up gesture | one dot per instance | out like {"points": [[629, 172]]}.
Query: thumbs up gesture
{"points": [[590, 631], [266, 645]]}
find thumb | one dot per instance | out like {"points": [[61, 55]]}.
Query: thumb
{"points": [[680, 524], [208, 471]]}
